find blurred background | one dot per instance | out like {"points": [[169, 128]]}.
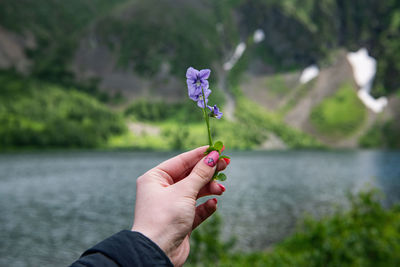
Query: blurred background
{"points": [[93, 93]]}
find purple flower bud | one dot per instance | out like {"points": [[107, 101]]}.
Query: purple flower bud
{"points": [[215, 112]]}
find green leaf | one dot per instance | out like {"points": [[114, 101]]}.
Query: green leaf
{"points": [[209, 149], [221, 177], [215, 175], [218, 146], [224, 157]]}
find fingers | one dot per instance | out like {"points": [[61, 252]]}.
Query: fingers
{"points": [[204, 211], [179, 166], [222, 164], [201, 174], [212, 188]]}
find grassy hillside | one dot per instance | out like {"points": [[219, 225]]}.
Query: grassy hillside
{"points": [[180, 126], [340, 115], [157, 40], [37, 114]]}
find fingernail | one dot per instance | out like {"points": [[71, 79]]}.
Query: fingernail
{"points": [[212, 158], [215, 200], [222, 187], [227, 161]]}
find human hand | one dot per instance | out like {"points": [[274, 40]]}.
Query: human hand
{"points": [[166, 195]]}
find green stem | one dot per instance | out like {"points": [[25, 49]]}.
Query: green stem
{"points": [[210, 142]]}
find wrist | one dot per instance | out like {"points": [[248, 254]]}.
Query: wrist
{"points": [[154, 237]]}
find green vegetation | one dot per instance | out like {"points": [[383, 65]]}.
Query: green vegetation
{"points": [[258, 121], [364, 235], [169, 136], [298, 94], [37, 114], [183, 36], [143, 110], [180, 127], [57, 27], [305, 32], [254, 122], [277, 85], [340, 115], [179, 112], [382, 134], [146, 39], [175, 135], [143, 34], [206, 244], [51, 19]]}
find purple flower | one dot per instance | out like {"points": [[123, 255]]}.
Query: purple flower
{"points": [[215, 112], [196, 80], [200, 101]]}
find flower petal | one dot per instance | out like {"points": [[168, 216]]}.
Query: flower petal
{"points": [[191, 87], [200, 103], [192, 74], [190, 84], [207, 92], [193, 92], [204, 74], [204, 84], [194, 97]]}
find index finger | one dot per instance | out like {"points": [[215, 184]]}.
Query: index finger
{"points": [[180, 166]]}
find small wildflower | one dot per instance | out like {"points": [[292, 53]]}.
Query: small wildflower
{"points": [[197, 80], [215, 112], [198, 90]]}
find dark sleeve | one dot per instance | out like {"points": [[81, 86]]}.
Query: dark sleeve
{"points": [[125, 248]]}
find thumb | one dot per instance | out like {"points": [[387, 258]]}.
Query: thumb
{"points": [[202, 173]]}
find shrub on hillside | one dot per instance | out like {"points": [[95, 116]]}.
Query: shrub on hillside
{"points": [[34, 114], [340, 115]]}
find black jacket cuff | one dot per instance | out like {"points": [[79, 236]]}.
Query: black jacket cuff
{"points": [[128, 248]]}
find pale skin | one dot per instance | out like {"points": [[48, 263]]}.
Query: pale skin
{"points": [[166, 196]]}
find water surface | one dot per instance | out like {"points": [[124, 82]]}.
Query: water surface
{"points": [[54, 205]]}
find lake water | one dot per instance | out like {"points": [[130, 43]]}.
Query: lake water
{"points": [[54, 205]]}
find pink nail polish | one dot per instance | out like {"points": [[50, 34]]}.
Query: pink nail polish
{"points": [[215, 200], [222, 187], [212, 158]]}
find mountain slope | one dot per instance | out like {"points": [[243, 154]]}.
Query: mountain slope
{"points": [[139, 50]]}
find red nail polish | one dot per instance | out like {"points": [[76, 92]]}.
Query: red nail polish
{"points": [[212, 158], [227, 161], [222, 187], [215, 200]]}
